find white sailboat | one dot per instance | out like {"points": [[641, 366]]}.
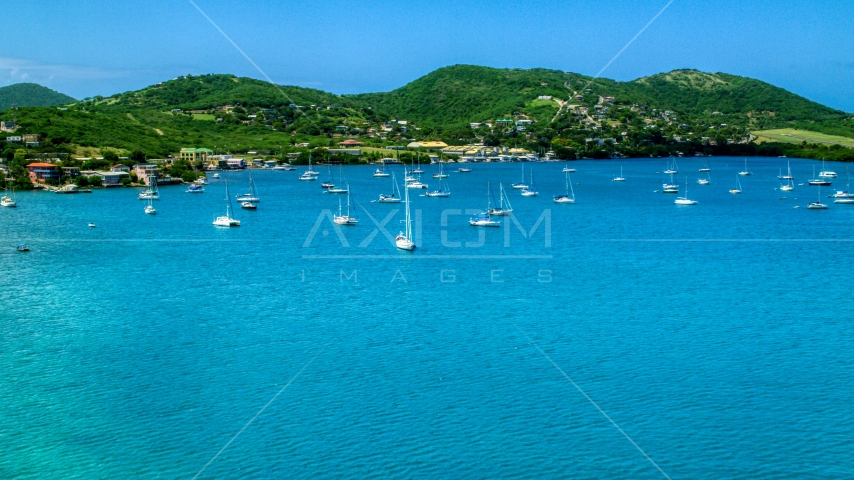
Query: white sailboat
{"points": [[151, 193], [330, 182], [817, 205], [403, 240], [707, 168], [345, 219], [684, 200], [395, 193], [566, 198], [441, 173], [672, 169], [443, 191], [309, 175], [844, 194], [522, 185], [737, 189], [704, 181], [744, 173], [8, 199], [149, 209], [226, 220], [504, 208], [620, 178], [529, 191], [342, 189], [380, 172], [484, 219], [670, 187], [252, 196], [567, 169], [418, 170]]}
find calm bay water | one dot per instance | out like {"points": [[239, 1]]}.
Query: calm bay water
{"points": [[718, 337]]}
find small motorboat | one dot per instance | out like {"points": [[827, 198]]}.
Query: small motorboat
{"points": [[92, 225], [248, 206], [22, 247]]}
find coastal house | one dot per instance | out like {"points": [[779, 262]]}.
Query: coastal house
{"points": [[8, 126], [145, 170], [194, 155], [43, 172], [236, 163], [13, 139], [350, 143], [544, 97], [70, 172], [111, 179], [120, 168]]}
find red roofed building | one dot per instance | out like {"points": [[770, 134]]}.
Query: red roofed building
{"points": [[350, 143], [41, 172]]}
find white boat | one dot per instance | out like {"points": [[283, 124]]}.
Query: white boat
{"points": [[569, 196], [788, 187], [195, 188], [285, 167], [484, 219], [201, 181], [441, 173], [380, 172], [817, 181], [403, 240], [252, 196], [306, 177], [7, 200], [529, 191], [152, 193], [418, 170], [704, 181], [331, 182], [463, 170], [215, 175], [817, 205], [92, 225], [707, 168], [522, 185], [737, 189], [844, 193], [825, 173], [310, 171], [416, 184], [620, 178], [670, 187], [248, 206], [788, 175], [334, 189], [226, 220], [504, 208], [684, 200], [672, 168], [567, 169], [745, 172], [844, 200], [395, 193], [149, 209], [443, 191], [348, 219]]}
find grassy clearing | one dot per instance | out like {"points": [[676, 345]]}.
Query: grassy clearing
{"points": [[207, 117], [790, 135]]}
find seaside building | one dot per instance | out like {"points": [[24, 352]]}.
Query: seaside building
{"points": [[43, 172], [146, 170], [194, 155], [350, 143]]}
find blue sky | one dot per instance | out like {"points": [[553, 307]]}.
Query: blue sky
{"points": [[102, 47]]}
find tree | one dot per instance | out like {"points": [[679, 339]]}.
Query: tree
{"points": [[96, 181], [20, 154], [82, 181], [137, 156], [111, 157]]}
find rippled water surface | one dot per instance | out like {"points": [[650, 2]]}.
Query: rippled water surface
{"points": [[718, 337]]}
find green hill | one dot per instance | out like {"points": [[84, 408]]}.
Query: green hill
{"points": [[460, 94], [238, 114], [31, 95]]}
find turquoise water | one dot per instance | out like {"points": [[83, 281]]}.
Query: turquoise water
{"points": [[718, 337]]}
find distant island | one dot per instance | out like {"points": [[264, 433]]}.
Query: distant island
{"points": [[460, 110]]}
